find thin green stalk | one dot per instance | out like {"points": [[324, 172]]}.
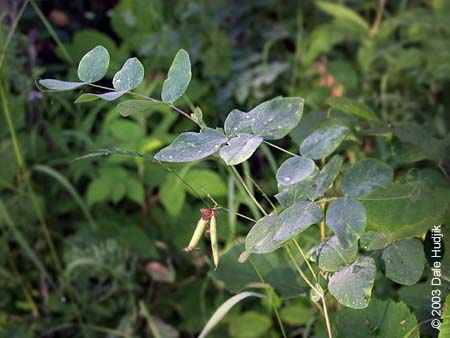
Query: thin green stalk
{"points": [[51, 31], [270, 158], [304, 258], [299, 270], [149, 319], [280, 149], [269, 295], [244, 186], [252, 181], [23, 170], [11, 32]]}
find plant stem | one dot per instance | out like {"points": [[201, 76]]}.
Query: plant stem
{"points": [[304, 258], [279, 148], [24, 172], [327, 319], [247, 190], [269, 294], [299, 270], [178, 110], [319, 293], [11, 31]]}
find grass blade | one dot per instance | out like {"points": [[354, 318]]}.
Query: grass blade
{"points": [[223, 310], [70, 189]]}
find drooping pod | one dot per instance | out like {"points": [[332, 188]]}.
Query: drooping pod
{"points": [[213, 235], [199, 229]]}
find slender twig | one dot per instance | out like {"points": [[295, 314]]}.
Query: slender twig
{"points": [[279, 148], [269, 294], [304, 258], [242, 182], [178, 110], [378, 17]]}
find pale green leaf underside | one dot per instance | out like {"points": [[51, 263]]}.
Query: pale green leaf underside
{"points": [[352, 285], [192, 146], [178, 77], [323, 141], [294, 170], [94, 65], [109, 96], [129, 76], [404, 261], [60, 85], [240, 148]]}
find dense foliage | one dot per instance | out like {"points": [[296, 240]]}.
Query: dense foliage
{"points": [[301, 147]]}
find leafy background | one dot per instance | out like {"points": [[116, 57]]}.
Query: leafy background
{"points": [[118, 223]]}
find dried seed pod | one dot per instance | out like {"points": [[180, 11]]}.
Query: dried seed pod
{"points": [[199, 229], [213, 234]]}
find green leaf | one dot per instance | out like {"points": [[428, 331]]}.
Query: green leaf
{"points": [[352, 285], [94, 65], [382, 319], [272, 231], [223, 310], [275, 268], [323, 141], [178, 77], [192, 146], [238, 122], [98, 190], [323, 181], [347, 218], [293, 193], [365, 176], [295, 314], [344, 13], [172, 195], [88, 97], [297, 218], [331, 255], [250, 324], [274, 119], [352, 107], [206, 182], [404, 261], [240, 148], [129, 76], [135, 190], [260, 237], [372, 240], [405, 210], [295, 169], [109, 96], [135, 107], [60, 85], [444, 329]]}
